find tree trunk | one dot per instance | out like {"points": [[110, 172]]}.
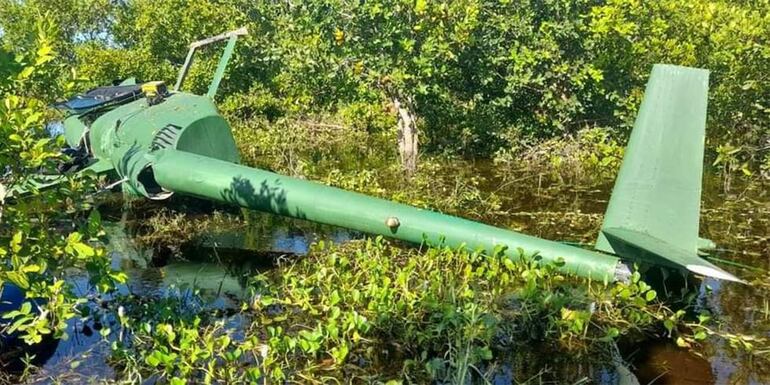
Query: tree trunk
{"points": [[407, 133]]}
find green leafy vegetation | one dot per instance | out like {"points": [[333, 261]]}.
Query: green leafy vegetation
{"points": [[54, 230], [470, 78], [344, 312], [350, 93]]}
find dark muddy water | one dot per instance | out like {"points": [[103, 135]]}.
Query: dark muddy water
{"points": [[213, 272]]}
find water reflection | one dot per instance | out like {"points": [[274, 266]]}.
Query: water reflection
{"points": [[663, 363]]}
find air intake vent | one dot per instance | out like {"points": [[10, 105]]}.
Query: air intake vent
{"points": [[166, 137]]}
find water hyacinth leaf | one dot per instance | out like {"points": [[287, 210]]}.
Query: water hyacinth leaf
{"points": [[669, 325], [340, 353], [650, 295], [682, 343], [485, 353]]}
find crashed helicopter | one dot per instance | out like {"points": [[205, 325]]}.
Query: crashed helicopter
{"points": [[157, 142]]}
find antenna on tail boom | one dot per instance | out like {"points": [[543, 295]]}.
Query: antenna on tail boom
{"points": [[654, 211]]}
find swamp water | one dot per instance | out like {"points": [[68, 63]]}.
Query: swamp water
{"points": [[213, 272]]}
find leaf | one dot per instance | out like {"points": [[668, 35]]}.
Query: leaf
{"points": [[152, 360], [485, 353], [26, 308], [31, 268], [651, 295], [44, 50], [224, 341], [83, 250], [334, 298], [16, 242], [420, 5], [78, 248], [745, 169], [612, 333], [682, 343], [26, 72], [339, 36], [340, 353], [18, 278], [34, 119]]}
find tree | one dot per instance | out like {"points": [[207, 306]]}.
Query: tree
{"points": [[407, 50], [731, 39], [76, 21]]}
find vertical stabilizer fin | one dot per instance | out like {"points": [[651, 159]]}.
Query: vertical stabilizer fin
{"points": [[657, 194]]}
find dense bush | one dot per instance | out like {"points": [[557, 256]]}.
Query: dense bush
{"points": [[372, 312], [475, 76], [731, 39], [50, 231]]}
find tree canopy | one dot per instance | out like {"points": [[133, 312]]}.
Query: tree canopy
{"points": [[475, 76]]}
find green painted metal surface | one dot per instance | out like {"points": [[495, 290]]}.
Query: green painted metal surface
{"points": [[220, 72], [655, 205], [654, 251], [183, 121], [232, 37], [75, 131], [261, 190]]}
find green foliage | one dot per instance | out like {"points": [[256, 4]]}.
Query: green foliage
{"points": [[527, 70], [315, 145], [481, 76], [76, 21], [310, 93], [448, 314], [728, 163], [728, 38], [35, 248], [592, 156]]}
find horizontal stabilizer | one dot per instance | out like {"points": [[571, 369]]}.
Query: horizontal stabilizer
{"points": [[659, 252]]}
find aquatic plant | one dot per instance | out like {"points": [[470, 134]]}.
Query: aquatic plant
{"points": [[348, 311]]}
